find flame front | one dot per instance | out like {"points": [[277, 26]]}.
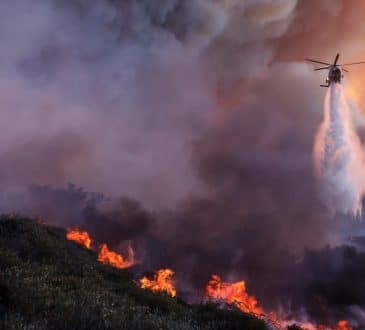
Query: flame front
{"points": [[115, 259], [233, 293], [162, 282], [343, 325], [78, 236], [230, 293]]}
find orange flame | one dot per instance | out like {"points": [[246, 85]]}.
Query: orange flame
{"points": [[78, 236], [162, 282], [233, 293], [115, 259], [343, 325]]}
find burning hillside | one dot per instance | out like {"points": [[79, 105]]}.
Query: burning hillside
{"points": [[235, 294], [224, 293], [323, 295], [46, 282]]}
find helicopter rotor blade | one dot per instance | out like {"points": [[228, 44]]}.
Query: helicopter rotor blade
{"points": [[336, 59], [324, 68], [353, 63], [315, 61]]}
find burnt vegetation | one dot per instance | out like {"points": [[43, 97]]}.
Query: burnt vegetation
{"points": [[48, 282]]}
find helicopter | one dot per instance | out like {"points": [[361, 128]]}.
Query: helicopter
{"points": [[335, 74]]}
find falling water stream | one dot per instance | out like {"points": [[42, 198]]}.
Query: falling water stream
{"points": [[338, 156]]}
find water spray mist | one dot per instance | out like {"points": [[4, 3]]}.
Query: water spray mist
{"points": [[338, 156]]}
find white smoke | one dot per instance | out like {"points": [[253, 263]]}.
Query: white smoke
{"points": [[338, 155]]}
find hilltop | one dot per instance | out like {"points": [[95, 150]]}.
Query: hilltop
{"points": [[48, 282]]}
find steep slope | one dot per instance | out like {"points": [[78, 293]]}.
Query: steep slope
{"points": [[48, 282]]}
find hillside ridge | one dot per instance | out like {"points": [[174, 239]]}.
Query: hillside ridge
{"points": [[48, 282]]}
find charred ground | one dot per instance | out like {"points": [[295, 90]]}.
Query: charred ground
{"points": [[47, 282]]}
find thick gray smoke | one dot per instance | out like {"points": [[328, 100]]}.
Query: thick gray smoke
{"points": [[93, 93], [339, 156], [111, 95]]}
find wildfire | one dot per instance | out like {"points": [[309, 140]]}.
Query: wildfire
{"points": [[115, 259], [78, 236], [233, 293], [216, 289], [162, 282], [343, 325]]}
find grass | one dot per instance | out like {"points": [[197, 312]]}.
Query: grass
{"points": [[48, 282]]}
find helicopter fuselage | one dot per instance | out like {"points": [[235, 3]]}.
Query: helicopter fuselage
{"points": [[334, 76]]}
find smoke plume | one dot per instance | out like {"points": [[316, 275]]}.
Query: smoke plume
{"points": [[339, 157]]}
